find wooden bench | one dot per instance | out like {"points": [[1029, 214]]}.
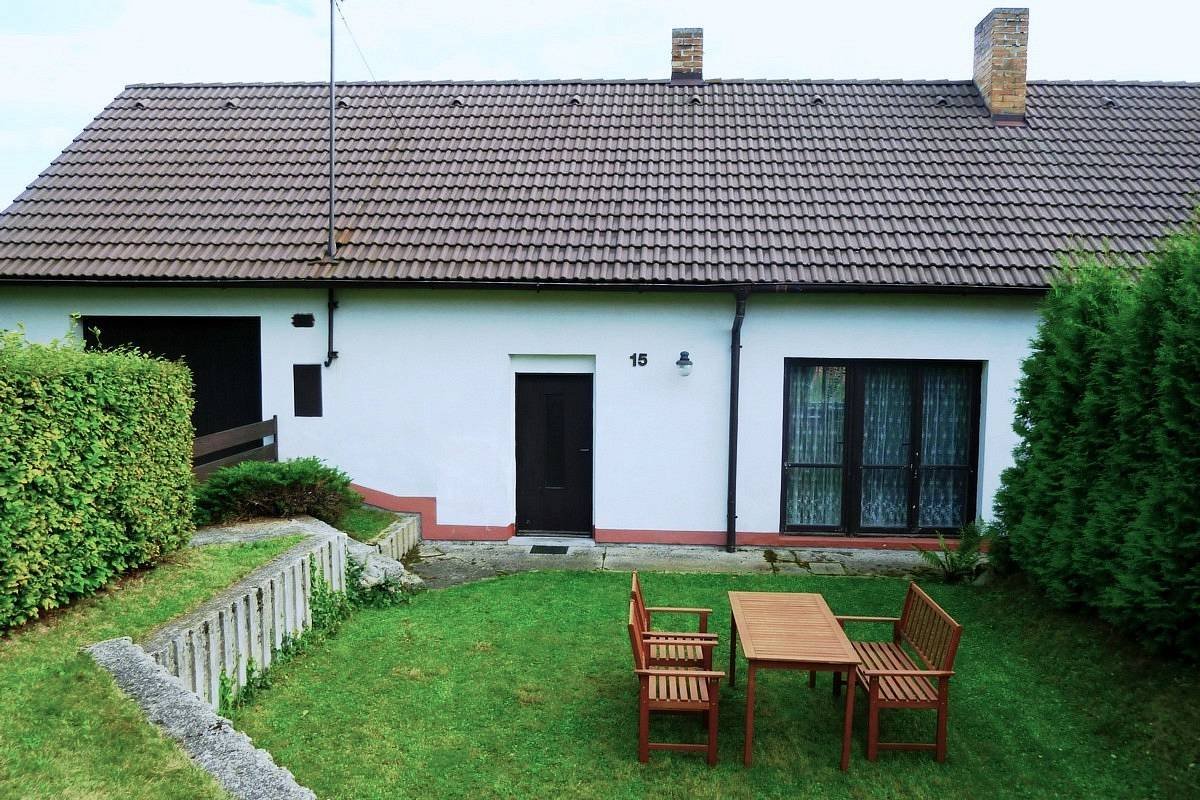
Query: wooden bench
{"points": [[663, 653], [673, 690], [892, 678]]}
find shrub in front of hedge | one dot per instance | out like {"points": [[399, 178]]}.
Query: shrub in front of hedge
{"points": [[275, 489], [95, 469]]}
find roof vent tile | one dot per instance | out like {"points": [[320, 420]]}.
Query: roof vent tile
{"points": [[232, 102], [458, 101], [941, 100], [1110, 102], [343, 102], [817, 100], [141, 104], [696, 100], [576, 100]]}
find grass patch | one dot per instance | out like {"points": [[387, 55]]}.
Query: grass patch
{"points": [[522, 687], [365, 523], [68, 733]]}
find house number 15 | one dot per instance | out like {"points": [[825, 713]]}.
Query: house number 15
{"points": [[637, 359]]}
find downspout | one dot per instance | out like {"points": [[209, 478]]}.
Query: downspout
{"points": [[331, 354], [735, 369]]}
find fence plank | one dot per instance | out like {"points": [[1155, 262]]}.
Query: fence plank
{"points": [[306, 590], [214, 666], [254, 627], [222, 440], [189, 665], [241, 622], [268, 452]]}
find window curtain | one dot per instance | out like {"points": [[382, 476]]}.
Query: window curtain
{"points": [[886, 446], [817, 399], [945, 446]]}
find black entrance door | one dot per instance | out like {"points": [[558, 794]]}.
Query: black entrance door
{"points": [[554, 453]]}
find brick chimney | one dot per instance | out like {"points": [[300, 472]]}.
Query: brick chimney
{"points": [[687, 55], [1001, 50]]}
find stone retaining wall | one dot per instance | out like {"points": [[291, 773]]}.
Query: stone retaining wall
{"points": [[401, 536], [250, 622]]}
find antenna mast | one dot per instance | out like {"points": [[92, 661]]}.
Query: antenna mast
{"points": [[331, 249]]}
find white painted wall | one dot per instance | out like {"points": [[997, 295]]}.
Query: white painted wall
{"points": [[421, 400]]}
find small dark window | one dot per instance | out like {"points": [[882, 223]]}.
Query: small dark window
{"points": [[306, 380]]}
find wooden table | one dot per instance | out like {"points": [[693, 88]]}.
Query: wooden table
{"points": [[789, 630]]}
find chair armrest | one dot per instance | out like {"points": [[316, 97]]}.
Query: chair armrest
{"points": [[691, 642], [866, 619], [908, 673], [674, 610], [678, 635], [690, 673]]}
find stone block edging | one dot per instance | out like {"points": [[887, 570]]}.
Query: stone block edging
{"points": [[243, 770]]}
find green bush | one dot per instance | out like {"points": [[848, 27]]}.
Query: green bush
{"points": [[275, 489], [1101, 505], [964, 561], [95, 469]]}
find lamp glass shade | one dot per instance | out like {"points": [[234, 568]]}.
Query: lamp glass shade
{"points": [[685, 364]]}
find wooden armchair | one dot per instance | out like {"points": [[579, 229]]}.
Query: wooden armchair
{"points": [[893, 679], [673, 690], [665, 653]]}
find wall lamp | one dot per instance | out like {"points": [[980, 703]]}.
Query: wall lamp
{"points": [[685, 364]]}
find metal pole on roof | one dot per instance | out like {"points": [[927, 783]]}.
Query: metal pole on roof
{"points": [[331, 249]]}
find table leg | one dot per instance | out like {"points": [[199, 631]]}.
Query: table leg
{"points": [[849, 723], [732, 651], [750, 680]]}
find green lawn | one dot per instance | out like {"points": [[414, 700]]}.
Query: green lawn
{"points": [[521, 687], [67, 732], [364, 523]]}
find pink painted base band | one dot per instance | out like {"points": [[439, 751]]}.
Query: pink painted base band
{"points": [[433, 530], [430, 527]]}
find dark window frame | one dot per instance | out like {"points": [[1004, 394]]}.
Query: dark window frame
{"points": [[852, 447]]}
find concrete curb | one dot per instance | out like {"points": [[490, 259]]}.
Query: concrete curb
{"points": [[243, 770]]}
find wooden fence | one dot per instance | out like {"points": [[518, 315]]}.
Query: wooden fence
{"points": [[204, 446], [249, 627]]}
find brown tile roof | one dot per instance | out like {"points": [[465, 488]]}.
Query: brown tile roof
{"points": [[869, 183]]}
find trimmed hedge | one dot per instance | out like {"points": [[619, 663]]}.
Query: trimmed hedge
{"points": [[1102, 504], [275, 489], [95, 469]]}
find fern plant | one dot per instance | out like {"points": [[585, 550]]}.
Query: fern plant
{"points": [[962, 563]]}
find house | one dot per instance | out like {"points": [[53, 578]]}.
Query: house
{"points": [[686, 310]]}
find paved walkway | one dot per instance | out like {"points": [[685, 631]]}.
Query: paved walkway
{"points": [[444, 564]]}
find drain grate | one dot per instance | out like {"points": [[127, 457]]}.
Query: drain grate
{"points": [[548, 550]]}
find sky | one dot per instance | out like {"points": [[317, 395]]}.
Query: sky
{"points": [[62, 61]]}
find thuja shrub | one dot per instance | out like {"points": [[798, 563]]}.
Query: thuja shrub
{"points": [[275, 489], [95, 469], [1101, 506]]}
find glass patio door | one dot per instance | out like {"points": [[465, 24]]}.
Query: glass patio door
{"points": [[886, 453], [814, 457], [879, 446]]}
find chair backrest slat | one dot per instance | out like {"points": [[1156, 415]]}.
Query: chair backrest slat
{"points": [[636, 640], [929, 630], [639, 602]]}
